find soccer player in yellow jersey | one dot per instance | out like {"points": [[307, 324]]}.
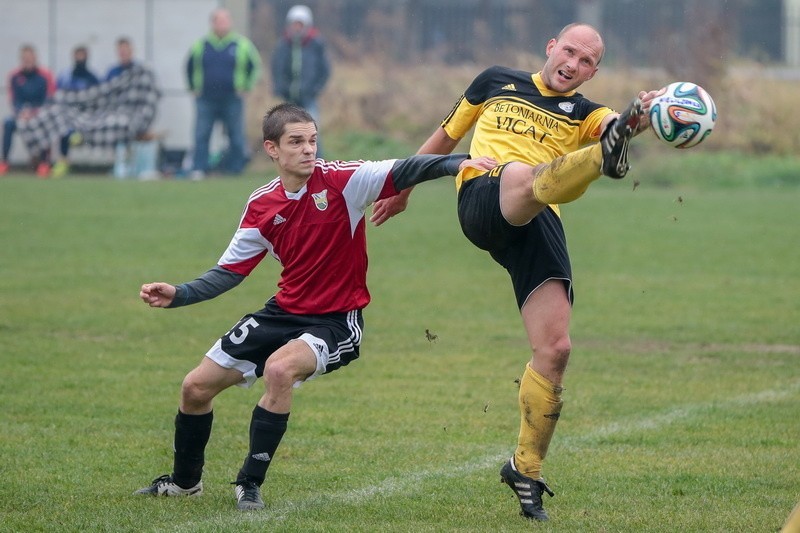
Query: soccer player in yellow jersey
{"points": [[544, 136]]}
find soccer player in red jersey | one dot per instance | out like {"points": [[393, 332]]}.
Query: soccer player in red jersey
{"points": [[311, 219]]}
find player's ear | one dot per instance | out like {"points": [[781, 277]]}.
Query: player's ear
{"points": [[549, 48], [271, 148]]}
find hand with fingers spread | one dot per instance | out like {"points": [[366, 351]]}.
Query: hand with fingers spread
{"points": [[484, 163]]}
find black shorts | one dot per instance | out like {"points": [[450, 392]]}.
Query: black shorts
{"points": [[532, 254], [335, 339]]}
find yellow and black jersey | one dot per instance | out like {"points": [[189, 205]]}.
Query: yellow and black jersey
{"points": [[517, 118]]}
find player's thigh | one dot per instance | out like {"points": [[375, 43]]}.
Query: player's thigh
{"points": [[294, 361], [546, 313], [247, 345], [209, 378], [517, 203]]}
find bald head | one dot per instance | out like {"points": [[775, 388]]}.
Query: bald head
{"points": [[584, 33], [221, 22], [572, 57]]}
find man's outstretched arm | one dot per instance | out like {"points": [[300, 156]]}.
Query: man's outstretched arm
{"points": [[209, 285], [438, 143]]}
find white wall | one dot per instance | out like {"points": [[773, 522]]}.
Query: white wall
{"points": [[791, 45], [162, 31]]}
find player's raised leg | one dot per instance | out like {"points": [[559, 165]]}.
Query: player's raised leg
{"points": [[526, 190]]}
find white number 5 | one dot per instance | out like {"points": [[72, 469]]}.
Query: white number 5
{"points": [[238, 336]]}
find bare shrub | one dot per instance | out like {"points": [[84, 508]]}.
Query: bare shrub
{"points": [[408, 102]]}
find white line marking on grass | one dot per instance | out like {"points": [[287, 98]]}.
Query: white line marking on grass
{"points": [[413, 481], [657, 421]]}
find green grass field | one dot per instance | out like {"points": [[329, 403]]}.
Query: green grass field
{"points": [[681, 397]]}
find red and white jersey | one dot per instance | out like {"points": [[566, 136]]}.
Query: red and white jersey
{"points": [[317, 234]]}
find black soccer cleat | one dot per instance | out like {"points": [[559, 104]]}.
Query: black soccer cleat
{"points": [[528, 491], [615, 139], [248, 496], [166, 486]]}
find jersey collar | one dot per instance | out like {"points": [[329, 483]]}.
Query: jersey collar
{"points": [[537, 80]]}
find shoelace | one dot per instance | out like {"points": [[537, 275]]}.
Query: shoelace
{"points": [[249, 492], [162, 480]]}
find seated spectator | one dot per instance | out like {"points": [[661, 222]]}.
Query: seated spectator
{"points": [[120, 110], [29, 86], [138, 158], [125, 55], [78, 78]]}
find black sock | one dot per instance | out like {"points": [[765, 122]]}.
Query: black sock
{"points": [[191, 436], [266, 431]]}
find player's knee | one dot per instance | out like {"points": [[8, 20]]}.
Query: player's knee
{"points": [[279, 373], [518, 175], [193, 392], [555, 354], [561, 350], [563, 347]]}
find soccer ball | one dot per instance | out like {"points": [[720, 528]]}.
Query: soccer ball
{"points": [[684, 115]]}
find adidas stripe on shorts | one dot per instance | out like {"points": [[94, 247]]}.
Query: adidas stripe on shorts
{"points": [[335, 339]]}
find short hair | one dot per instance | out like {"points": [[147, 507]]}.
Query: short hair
{"points": [[123, 40], [276, 119], [27, 48]]}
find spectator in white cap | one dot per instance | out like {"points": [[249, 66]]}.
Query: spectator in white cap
{"points": [[300, 66], [301, 14]]}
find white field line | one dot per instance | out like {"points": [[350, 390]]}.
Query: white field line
{"points": [[657, 421], [413, 481]]}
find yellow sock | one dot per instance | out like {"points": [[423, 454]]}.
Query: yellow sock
{"points": [[792, 524], [540, 406], [566, 178]]}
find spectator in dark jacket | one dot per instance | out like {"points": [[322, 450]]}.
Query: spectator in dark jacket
{"points": [[222, 68], [78, 78], [29, 86], [300, 66]]}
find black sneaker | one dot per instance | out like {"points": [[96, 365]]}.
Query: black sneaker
{"points": [[248, 496], [615, 139], [165, 486], [529, 491]]}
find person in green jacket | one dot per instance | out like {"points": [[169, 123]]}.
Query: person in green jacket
{"points": [[222, 68]]}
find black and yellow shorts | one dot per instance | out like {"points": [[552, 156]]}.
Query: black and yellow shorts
{"points": [[532, 254]]}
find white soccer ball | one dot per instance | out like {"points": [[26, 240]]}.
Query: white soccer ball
{"points": [[684, 115]]}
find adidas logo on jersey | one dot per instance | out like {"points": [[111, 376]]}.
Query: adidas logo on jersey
{"points": [[278, 220], [510, 87]]}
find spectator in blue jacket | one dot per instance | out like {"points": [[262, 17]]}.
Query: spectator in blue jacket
{"points": [[125, 56], [29, 86], [300, 66], [222, 68], [78, 78]]}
